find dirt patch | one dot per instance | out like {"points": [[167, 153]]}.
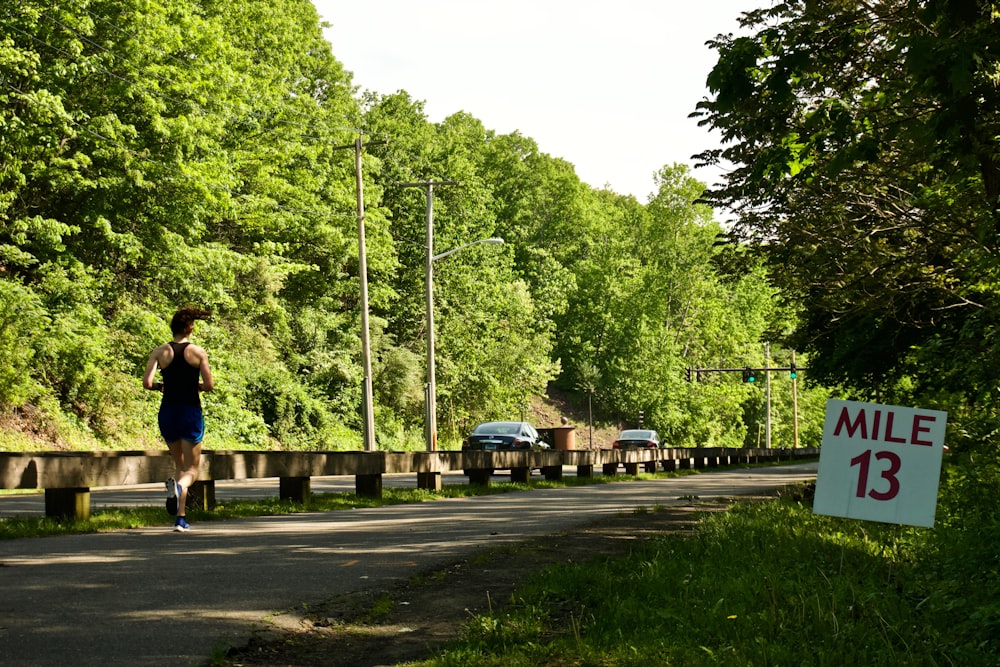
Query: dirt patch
{"points": [[412, 621], [27, 428], [549, 410]]}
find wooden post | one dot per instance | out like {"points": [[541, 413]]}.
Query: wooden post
{"points": [[430, 481], [520, 475], [201, 495], [368, 486], [296, 489], [73, 504]]}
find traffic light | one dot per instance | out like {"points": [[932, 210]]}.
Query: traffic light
{"points": [[749, 375], [791, 371], [689, 373]]}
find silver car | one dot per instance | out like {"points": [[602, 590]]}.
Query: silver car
{"points": [[637, 438]]}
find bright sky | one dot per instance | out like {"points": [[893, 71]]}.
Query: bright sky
{"points": [[605, 85]]}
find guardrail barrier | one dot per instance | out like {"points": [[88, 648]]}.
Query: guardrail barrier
{"points": [[68, 477]]}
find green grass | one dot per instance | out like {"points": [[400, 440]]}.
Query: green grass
{"points": [[765, 584]]}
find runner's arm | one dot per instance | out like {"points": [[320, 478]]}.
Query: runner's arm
{"points": [[207, 383], [151, 366]]}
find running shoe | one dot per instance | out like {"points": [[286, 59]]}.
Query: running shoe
{"points": [[173, 492], [181, 525]]}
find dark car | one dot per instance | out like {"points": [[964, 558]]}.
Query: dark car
{"points": [[500, 436], [637, 438]]}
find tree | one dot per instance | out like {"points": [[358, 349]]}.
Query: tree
{"points": [[865, 141], [493, 344], [649, 301], [163, 153]]}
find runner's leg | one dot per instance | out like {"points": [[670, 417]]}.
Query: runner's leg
{"points": [[177, 454], [187, 471]]}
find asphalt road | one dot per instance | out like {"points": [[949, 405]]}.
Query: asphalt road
{"points": [[153, 597]]}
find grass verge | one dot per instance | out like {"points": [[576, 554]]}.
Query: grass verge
{"points": [[766, 584]]}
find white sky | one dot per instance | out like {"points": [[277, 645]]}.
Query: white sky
{"points": [[605, 85]]}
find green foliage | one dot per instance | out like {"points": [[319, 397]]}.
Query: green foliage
{"points": [[165, 154], [21, 315], [864, 140], [649, 301], [160, 154]]}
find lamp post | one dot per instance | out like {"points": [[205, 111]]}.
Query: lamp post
{"points": [[430, 427], [467, 245]]}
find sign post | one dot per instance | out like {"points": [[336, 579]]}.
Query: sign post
{"points": [[880, 463]]}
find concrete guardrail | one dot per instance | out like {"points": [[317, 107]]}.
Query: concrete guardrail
{"points": [[68, 477]]}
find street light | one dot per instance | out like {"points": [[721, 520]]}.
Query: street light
{"points": [[430, 426], [467, 245]]}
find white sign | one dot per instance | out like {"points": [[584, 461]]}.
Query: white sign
{"points": [[880, 462]]}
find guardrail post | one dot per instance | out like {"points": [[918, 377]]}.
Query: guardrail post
{"points": [[520, 475], [585, 470], [429, 481], [68, 503], [552, 473], [368, 486], [296, 489], [479, 476], [201, 495]]}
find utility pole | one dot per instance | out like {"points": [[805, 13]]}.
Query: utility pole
{"points": [[368, 403], [767, 400], [590, 417], [795, 406], [430, 427], [368, 400]]}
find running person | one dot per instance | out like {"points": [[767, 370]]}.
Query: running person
{"points": [[186, 373]]}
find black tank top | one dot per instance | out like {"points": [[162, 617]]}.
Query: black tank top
{"points": [[180, 379]]}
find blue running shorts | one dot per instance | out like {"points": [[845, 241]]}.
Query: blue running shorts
{"points": [[181, 422]]}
